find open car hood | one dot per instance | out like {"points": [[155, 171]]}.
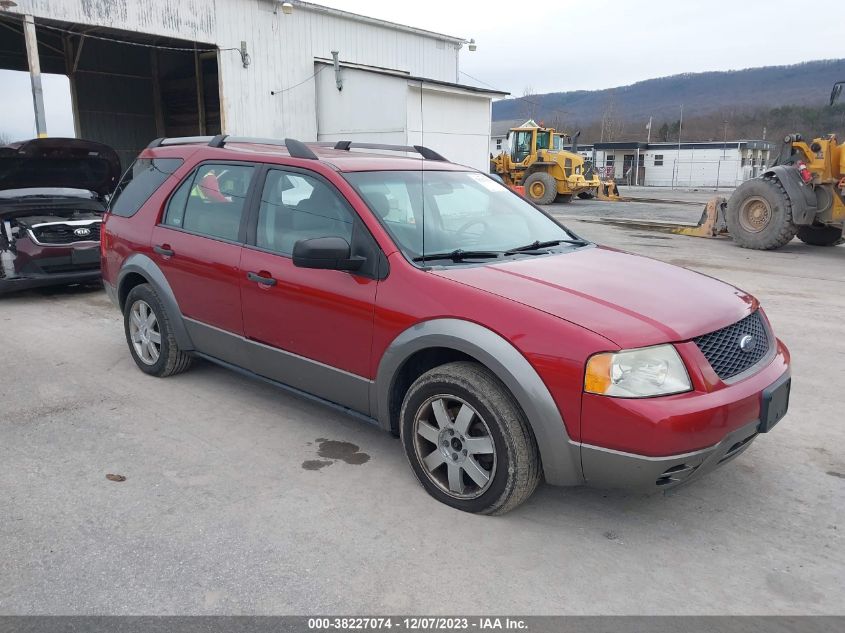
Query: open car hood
{"points": [[59, 162]]}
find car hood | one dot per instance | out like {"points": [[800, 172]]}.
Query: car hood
{"points": [[59, 162], [632, 300]]}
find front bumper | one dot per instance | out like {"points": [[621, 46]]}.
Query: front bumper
{"points": [[15, 284], [608, 468]]}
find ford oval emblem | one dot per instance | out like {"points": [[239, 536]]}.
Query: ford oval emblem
{"points": [[747, 343], [82, 232]]}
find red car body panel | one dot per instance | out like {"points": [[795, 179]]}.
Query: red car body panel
{"points": [[324, 315], [621, 296], [205, 275]]}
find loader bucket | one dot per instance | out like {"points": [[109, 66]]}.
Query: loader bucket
{"points": [[608, 190]]}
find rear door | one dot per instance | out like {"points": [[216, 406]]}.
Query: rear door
{"points": [[311, 329], [198, 246]]}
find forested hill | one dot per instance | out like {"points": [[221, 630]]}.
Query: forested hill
{"points": [[743, 102]]}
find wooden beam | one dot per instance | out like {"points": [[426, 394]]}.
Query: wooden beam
{"points": [[70, 70], [157, 105], [200, 92], [31, 40]]}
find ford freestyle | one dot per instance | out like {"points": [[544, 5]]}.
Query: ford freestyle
{"points": [[498, 345]]}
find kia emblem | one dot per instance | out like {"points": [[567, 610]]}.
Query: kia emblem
{"points": [[82, 232]]}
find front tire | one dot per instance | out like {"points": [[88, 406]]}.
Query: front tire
{"points": [[820, 235], [467, 440], [541, 188], [759, 215], [149, 335]]}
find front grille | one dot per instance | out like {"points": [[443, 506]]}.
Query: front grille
{"points": [[64, 233], [722, 347]]}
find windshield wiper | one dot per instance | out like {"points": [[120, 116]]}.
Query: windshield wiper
{"points": [[458, 255], [537, 245]]}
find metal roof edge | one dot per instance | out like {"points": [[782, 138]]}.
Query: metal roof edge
{"points": [[319, 8]]}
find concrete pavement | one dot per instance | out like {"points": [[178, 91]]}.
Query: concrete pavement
{"points": [[223, 511]]}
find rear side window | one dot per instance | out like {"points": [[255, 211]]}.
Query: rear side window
{"points": [[140, 182], [211, 201]]}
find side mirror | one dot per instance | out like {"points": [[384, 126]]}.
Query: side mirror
{"points": [[327, 253]]}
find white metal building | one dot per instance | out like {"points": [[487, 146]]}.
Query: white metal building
{"points": [[148, 68], [707, 164]]}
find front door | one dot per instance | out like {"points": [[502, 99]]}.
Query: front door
{"points": [[310, 329], [198, 247]]}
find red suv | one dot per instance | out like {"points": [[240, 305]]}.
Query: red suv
{"points": [[423, 295]]}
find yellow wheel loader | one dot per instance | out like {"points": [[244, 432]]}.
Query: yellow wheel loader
{"points": [[539, 163], [802, 194]]}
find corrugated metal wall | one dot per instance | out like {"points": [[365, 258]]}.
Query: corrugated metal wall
{"points": [[282, 48]]}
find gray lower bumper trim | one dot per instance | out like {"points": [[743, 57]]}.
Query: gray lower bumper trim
{"points": [[607, 468]]}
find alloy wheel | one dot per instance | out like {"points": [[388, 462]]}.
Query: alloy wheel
{"points": [[454, 446], [144, 332]]}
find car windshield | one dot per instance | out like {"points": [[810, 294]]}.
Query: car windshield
{"points": [[434, 212]]}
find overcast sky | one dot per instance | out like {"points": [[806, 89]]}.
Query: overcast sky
{"points": [[560, 45]]}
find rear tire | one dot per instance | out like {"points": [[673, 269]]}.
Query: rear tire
{"points": [[149, 335], [467, 440], [759, 215], [820, 235], [540, 188]]}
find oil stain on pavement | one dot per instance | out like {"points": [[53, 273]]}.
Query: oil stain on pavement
{"points": [[332, 451]]}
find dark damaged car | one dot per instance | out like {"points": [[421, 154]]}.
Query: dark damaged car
{"points": [[53, 192]]}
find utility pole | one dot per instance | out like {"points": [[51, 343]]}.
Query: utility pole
{"points": [[32, 59], [680, 127], [648, 127]]}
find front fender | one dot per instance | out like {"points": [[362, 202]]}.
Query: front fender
{"points": [[802, 197], [149, 270], [561, 458]]}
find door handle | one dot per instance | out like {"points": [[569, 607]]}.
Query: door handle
{"points": [[267, 281], [164, 249]]}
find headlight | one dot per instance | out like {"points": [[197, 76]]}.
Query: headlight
{"points": [[637, 373]]}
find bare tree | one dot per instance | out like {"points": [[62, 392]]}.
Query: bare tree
{"points": [[529, 102], [611, 122], [5, 139]]}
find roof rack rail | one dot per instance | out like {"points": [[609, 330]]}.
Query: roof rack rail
{"points": [[295, 148], [425, 152], [179, 140]]}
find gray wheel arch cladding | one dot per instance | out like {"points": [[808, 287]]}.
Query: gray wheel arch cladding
{"points": [[561, 458], [147, 268]]}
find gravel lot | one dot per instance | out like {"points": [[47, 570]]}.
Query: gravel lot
{"points": [[224, 511]]}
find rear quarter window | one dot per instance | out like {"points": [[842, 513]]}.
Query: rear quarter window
{"points": [[139, 182]]}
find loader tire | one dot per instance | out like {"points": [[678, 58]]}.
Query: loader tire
{"points": [[587, 195], [541, 188], [564, 198], [820, 235], [759, 215]]}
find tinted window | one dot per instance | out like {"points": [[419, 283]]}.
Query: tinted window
{"points": [[298, 207], [176, 207], [140, 182], [211, 201]]}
